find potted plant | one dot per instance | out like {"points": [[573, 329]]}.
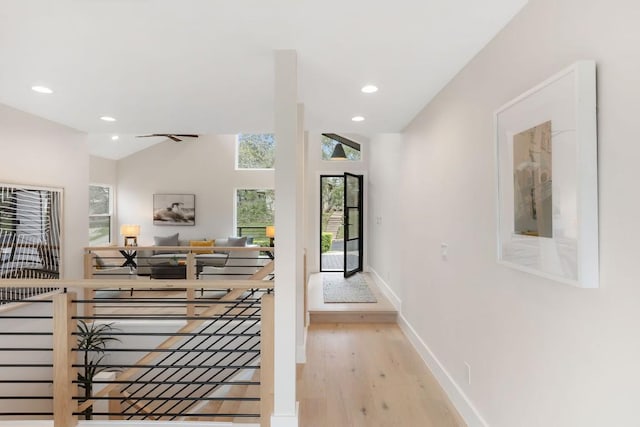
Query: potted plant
{"points": [[92, 343]]}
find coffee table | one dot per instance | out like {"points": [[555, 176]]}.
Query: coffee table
{"points": [[169, 271]]}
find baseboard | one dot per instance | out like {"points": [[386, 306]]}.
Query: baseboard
{"points": [[286, 420], [386, 289], [458, 398]]}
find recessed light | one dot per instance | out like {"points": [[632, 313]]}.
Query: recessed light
{"points": [[369, 89], [115, 138], [107, 119], [357, 119], [41, 89]]}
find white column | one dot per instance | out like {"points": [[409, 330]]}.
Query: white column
{"points": [[286, 271], [300, 236]]}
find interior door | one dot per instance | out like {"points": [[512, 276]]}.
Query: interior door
{"points": [[352, 224]]}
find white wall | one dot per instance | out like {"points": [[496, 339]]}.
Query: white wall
{"points": [[315, 167], [39, 152], [541, 353], [385, 241], [204, 167], [103, 171]]}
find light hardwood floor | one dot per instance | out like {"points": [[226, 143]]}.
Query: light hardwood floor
{"points": [[368, 375], [359, 374]]}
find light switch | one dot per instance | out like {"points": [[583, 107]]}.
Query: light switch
{"points": [[444, 250]]}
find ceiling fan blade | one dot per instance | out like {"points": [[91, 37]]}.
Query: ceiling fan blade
{"points": [[172, 136]]}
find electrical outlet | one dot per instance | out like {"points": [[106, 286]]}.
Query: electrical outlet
{"points": [[444, 250], [468, 372]]}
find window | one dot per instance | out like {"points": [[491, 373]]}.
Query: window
{"points": [[256, 151], [329, 142], [100, 211], [254, 211]]}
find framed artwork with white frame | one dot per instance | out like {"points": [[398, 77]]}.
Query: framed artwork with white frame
{"points": [[546, 146]]}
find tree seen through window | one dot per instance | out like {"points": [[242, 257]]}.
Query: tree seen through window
{"points": [[255, 210], [256, 151], [329, 144]]}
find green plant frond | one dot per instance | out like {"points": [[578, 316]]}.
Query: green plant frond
{"points": [[92, 340], [93, 337]]}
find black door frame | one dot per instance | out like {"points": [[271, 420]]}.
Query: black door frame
{"points": [[347, 239]]}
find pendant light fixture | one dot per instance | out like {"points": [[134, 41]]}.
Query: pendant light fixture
{"points": [[338, 153]]}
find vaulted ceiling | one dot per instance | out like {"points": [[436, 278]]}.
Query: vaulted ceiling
{"points": [[206, 66]]}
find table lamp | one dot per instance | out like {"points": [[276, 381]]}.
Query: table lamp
{"points": [[270, 233], [130, 232]]}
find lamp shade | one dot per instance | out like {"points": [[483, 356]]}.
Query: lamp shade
{"points": [[270, 231], [130, 230], [338, 153]]}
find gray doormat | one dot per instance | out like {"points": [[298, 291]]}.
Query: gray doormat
{"points": [[336, 288]]}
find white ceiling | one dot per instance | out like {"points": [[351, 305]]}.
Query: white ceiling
{"points": [[206, 66]]}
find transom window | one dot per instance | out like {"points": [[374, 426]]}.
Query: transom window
{"points": [[336, 147], [256, 151]]}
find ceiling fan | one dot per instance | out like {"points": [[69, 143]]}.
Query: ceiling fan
{"points": [[172, 136]]}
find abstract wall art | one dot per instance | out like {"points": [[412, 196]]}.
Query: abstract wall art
{"points": [[30, 232], [546, 146]]}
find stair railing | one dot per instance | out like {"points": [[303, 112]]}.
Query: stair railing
{"points": [[213, 362], [122, 262]]}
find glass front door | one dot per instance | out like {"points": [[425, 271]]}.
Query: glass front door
{"points": [[341, 223], [352, 224]]}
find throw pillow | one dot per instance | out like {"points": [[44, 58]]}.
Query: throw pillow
{"points": [[203, 243], [166, 241], [237, 241], [221, 243], [99, 262]]}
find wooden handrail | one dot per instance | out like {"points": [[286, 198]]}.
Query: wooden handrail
{"points": [[4, 308], [136, 404], [263, 272], [201, 249], [138, 284]]}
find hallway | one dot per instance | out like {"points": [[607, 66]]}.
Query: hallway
{"points": [[368, 375]]}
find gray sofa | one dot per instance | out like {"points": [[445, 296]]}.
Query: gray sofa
{"points": [[239, 265], [151, 261]]}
